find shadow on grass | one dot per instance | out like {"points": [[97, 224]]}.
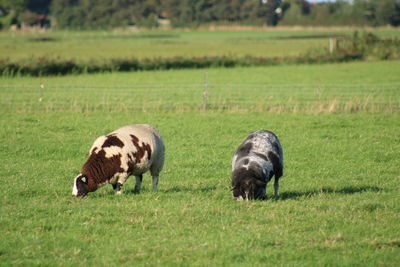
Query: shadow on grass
{"points": [[174, 189], [348, 190]]}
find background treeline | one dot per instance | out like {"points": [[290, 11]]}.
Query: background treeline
{"points": [[103, 14]]}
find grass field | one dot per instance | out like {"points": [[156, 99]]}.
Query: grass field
{"points": [[338, 125], [339, 202], [372, 87], [86, 46]]}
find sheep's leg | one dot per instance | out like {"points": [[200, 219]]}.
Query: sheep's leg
{"points": [[276, 187], [138, 183], [155, 183], [155, 170]]}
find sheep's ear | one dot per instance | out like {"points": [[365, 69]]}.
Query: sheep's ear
{"points": [[84, 179], [260, 183]]}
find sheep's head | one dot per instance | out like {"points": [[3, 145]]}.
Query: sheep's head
{"points": [[248, 188], [82, 186]]}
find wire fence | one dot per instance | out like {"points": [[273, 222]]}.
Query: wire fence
{"points": [[247, 97]]}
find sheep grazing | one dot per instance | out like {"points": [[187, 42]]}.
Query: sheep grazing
{"points": [[130, 150], [254, 163]]}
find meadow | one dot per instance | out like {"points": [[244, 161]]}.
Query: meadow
{"points": [[330, 88], [339, 200], [339, 203], [51, 53], [105, 45], [91, 45]]}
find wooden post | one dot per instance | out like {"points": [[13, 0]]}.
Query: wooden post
{"points": [[205, 91], [332, 44]]}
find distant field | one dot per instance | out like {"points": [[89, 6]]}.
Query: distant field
{"points": [[86, 46]]}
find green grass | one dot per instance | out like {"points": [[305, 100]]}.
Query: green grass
{"points": [[52, 53], [339, 202], [372, 87], [86, 45]]}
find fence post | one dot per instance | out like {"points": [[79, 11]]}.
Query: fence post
{"points": [[332, 44], [205, 91]]}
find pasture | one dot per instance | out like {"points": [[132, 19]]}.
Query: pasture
{"points": [[339, 203], [371, 87], [105, 45], [339, 200]]}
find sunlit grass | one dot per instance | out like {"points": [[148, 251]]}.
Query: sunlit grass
{"points": [[339, 205], [371, 87], [338, 202], [86, 46]]}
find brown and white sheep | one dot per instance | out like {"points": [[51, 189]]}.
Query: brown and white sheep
{"points": [[130, 150]]}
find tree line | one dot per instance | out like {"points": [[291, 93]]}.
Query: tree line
{"points": [[105, 14]]}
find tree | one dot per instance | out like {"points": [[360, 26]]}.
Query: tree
{"points": [[15, 5], [269, 11], [387, 12], [93, 14], [39, 6], [10, 11], [28, 12], [182, 13], [378, 12], [293, 14]]}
